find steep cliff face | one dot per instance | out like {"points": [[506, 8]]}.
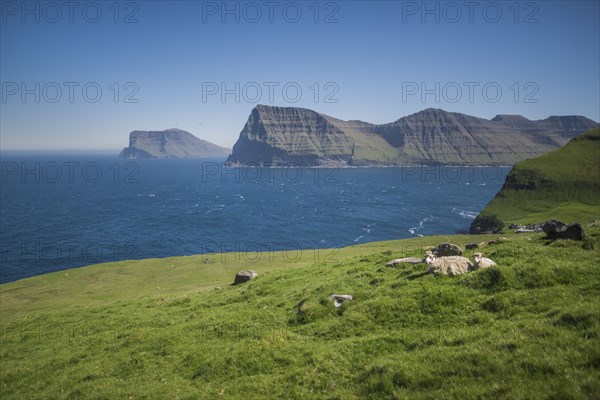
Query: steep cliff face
{"points": [[297, 136], [171, 143], [561, 184]]}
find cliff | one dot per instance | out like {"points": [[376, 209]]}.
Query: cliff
{"points": [[298, 136], [170, 143], [562, 184]]}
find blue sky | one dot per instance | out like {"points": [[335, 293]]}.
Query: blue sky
{"points": [[369, 60]]}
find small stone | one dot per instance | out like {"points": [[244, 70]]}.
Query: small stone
{"points": [[338, 299]]}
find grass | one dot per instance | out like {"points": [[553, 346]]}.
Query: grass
{"points": [[175, 328], [562, 184]]}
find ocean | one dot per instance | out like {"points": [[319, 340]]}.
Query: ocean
{"points": [[60, 211]]}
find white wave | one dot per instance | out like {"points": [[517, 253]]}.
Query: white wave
{"points": [[464, 213]]}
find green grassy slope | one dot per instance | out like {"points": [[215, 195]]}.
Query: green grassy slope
{"points": [[562, 184], [148, 330]]}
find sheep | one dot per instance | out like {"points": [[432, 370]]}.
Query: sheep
{"points": [[480, 262], [450, 265]]}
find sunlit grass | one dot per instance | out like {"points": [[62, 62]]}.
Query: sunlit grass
{"points": [[525, 329]]}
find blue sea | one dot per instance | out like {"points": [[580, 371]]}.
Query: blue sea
{"points": [[60, 211]]}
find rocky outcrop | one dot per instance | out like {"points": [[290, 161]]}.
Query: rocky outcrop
{"points": [[171, 143], [302, 137]]}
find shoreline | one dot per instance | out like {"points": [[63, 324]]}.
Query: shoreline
{"points": [[321, 254]]}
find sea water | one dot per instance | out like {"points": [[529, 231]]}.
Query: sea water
{"points": [[61, 211]]}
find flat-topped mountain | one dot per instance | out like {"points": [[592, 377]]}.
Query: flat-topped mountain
{"points": [[170, 143], [302, 137]]}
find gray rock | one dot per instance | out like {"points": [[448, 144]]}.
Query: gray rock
{"points": [[244, 276], [408, 260], [447, 249], [338, 299]]}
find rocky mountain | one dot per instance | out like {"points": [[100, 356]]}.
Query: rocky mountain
{"points": [[302, 137], [170, 143]]}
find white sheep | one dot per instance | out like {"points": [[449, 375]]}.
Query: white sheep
{"points": [[480, 262], [449, 265]]}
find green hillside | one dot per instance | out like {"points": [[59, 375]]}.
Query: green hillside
{"points": [[562, 184], [175, 328]]}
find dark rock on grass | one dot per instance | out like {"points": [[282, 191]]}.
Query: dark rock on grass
{"points": [[447, 249], [556, 229], [553, 228], [244, 276], [574, 232], [473, 245]]}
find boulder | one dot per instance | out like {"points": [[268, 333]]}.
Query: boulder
{"points": [[554, 228], [574, 232], [244, 276], [447, 249], [559, 230], [408, 260]]}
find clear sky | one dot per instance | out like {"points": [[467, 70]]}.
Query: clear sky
{"points": [[197, 65]]}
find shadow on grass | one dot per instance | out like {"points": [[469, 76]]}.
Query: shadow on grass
{"points": [[412, 277]]}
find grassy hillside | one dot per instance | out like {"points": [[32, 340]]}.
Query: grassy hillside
{"points": [[175, 328], [562, 184]]}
